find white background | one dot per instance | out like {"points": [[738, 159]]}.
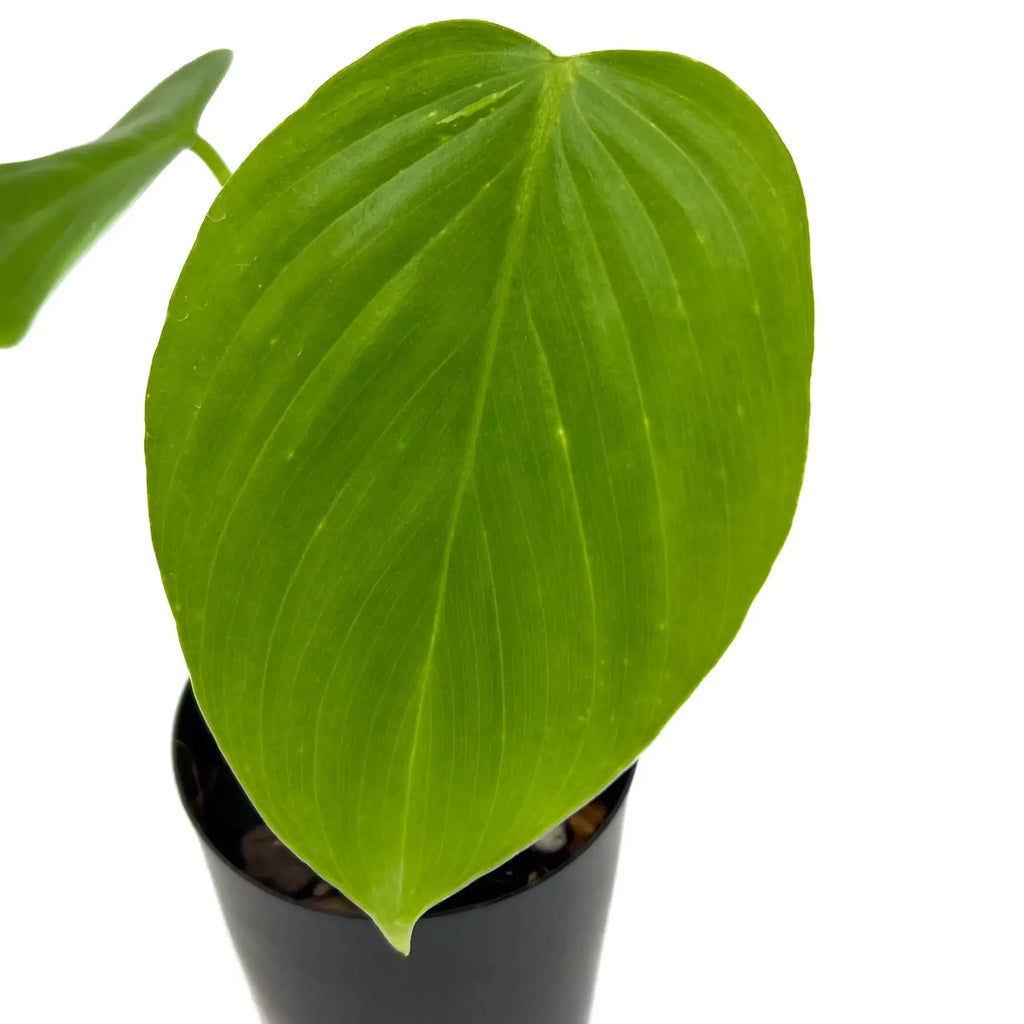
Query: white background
{"points": [[831, 829]]}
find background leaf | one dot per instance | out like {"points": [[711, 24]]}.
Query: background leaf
{"points": [[479, 417], [52, 209]]}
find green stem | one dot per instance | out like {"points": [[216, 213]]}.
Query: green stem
{"points": [[212, 159]]}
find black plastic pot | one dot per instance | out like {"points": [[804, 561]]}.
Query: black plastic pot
{"points": [[528, 956]]}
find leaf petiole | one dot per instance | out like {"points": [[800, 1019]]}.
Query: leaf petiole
{"points": [[212, 159]]}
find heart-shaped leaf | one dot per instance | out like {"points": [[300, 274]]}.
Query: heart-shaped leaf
{"points": [[52, 209], [478, 420]]}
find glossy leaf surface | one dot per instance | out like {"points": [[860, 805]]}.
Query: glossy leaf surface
{"points": [[478, 420], [52, 209]]}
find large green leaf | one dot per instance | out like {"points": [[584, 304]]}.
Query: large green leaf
{"points": [[477, 422], [52, 209]]}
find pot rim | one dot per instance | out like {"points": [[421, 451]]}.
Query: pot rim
{"points": [[622, 782]]}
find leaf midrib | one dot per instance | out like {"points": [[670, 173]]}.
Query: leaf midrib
{"points": [[558, 75]]}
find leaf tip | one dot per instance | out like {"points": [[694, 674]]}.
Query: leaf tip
{"points": [[220, 58], [398, 934], [11, 332]]}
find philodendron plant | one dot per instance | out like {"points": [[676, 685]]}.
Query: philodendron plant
{"points": [[477, 421]]}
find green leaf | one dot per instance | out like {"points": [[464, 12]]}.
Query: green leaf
{"points": [[479, 417], [52, 209]]}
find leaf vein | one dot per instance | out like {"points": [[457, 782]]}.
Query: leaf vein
{"points": [[543, 122]]}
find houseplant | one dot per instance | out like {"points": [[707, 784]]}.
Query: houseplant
{"points": [[477, 421]]}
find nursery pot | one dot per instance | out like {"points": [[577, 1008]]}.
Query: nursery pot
{"points": [[509, 949]]}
